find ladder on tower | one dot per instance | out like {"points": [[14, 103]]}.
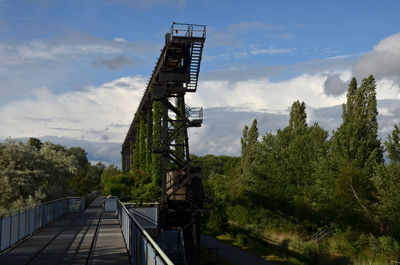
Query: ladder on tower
{"points": [[195, 59]]}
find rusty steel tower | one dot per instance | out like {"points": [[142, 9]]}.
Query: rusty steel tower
{"points": [[161, 123]]}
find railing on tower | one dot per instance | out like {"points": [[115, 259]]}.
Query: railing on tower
{"points": [[188, 30]]}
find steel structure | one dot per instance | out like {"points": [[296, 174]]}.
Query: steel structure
{"points": [[175, 74]]}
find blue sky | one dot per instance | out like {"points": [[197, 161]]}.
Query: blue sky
{"points": [[288, 32], [80, 66]]}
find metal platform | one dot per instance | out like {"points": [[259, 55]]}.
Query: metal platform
{"points": [[90, 237]]}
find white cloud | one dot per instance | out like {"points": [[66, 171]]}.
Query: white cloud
{"points": [[263, 94], [67, 47], [104, 113], [270, 51], [113, 63], [95, 114], [387, 89], [151, 3], [383, 61], [37, 50], [235, 33], [334, 85], [120, 40], [253, 25]]}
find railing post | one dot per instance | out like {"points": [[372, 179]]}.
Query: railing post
{"points": [[25, 223], [9, 241], [1, 231], [18, 220], [147, 251]]}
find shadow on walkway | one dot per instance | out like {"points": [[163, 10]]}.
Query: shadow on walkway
{"points": [[233, 254]]}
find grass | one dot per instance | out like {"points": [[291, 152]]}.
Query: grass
{"points": [[290, 247], [280, 248]]}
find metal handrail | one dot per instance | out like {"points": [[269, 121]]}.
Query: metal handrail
{"points": [[22, 222], [195, 113], [144, 216], [4, 214], [188, 30], [158, 250], [323, 233]]}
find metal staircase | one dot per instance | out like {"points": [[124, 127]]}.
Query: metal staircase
{"points": [[195, 59]]}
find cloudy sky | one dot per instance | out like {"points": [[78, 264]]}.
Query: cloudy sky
{"points": [[73, 72]]}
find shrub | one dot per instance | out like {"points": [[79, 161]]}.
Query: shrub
{"points": [[242, 240]]}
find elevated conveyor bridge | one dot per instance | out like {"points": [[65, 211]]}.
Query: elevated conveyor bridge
{"points": [[157, 141]]}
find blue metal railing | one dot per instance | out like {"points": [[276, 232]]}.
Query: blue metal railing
{"points": [[142, 249], [17, 224]]}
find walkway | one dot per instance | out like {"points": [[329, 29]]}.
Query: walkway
{"points": [[72, 240], [233, 254]]}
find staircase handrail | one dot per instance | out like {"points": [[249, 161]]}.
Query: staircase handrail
{"points": [[323, 233]]}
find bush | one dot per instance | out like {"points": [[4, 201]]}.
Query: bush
{"points": [[388, 246], [242, 240], [217, 222], [118, 185], [241, 215], [310, 249]]}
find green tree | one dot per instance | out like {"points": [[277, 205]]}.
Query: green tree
{"points": [[393, 145], [386, 182], [285, 164], [82, 165], [249, 143], [35, 142], [115, 183], [244, 140], [109, 172], [29, 175], [92, 180], [356, 150], [298, 115]]}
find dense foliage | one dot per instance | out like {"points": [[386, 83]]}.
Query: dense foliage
{"points": [[143, 182], [298, 181], [35, 172]]}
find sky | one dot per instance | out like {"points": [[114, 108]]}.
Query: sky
{"points": [[75, 71]]}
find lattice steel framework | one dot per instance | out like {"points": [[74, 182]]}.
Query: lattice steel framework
{"points": [[163, 106]]}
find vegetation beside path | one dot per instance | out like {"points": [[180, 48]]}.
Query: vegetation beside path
{"points": [[289, 184]]}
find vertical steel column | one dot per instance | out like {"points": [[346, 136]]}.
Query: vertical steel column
{"points": [[186, 138], [180, 124], [164, 144]]}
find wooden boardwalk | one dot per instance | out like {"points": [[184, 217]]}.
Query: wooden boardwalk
{"points": [[90, 237]]}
